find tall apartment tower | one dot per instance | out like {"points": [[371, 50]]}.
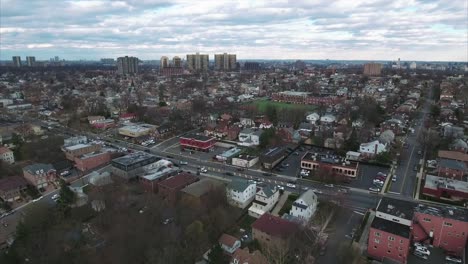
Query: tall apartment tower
{"points": [[16, 61], [127, 65], [31, 61], [197, 62], [372, 69], [177, 62], [225, 62], [164, 62]]}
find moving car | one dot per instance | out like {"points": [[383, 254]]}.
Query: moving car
{"points": [[55, 197], [290, 185], [453, 259], [229, 173], [203, 169]]}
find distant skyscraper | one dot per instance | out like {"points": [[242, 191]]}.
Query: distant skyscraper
{"points": [[127, 65], [252, 66], [17, 61], [31, 61], [399, 64], [225, 62], [413, 65], [56, 58], [177, 62], [372, 69], [197, 62], [164, 62]]}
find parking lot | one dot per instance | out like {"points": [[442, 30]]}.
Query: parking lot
{"points": [[291, 163], [437, 257], [366, 175]]}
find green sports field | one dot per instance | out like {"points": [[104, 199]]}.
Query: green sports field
{"points": [[263, 104]]}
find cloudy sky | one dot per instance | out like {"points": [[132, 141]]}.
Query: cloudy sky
{"points": [[253, 29]]}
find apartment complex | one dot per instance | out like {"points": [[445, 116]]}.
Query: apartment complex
{"points": [[16, 61], [127, 65], [197, 62], [372, 69], [164, 62], [225, 62]]}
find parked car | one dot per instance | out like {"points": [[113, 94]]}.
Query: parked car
{"points": [[290, 185], [374, 189], [415, 168], [183, 163], [55, 197], [377, 181], [203, 169], [381, 174], [381, 178], [240, 169], [317, 191], [266, 174], [420, 255], [453, 259], [64, 173], [280, 187], [422, 250], [329, 185], [394, 178], [419, 244], [228, 173]]}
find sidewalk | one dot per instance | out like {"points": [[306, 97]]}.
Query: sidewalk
{"points": [[280, 203], [365, 232]]}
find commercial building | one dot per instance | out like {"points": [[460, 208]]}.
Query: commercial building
{"points": [[197, 142], [240, 192], [6, 155], [199, 191], [329, 163], [71, 152], [225, 62], [137, 130], [75, 141], [92, 160], [272, 156], [159, 171], [16, 61], [40, 175], [273, 232], [447, 189], [127, 167], [127, 65], [244, 160], [11, 188], [164, 62], [372, 69], [31, 61], [197, 62], [169, 188]]}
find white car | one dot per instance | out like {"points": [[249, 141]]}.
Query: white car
{"points": [[394, 178], [422, 250], [317, 191], [329, 185], [374, 189], [280, 187], [290, 185], [183, 163], [419, 244], [55, 197], [204, 170], [453, 259], [376, 181]]}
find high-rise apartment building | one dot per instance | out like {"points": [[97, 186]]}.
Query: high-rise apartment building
{"points": [[164, 62], [197, 62], [177, 62], [31, 61], [127, 65], [17, 61], [225, 61], [372, 69]]}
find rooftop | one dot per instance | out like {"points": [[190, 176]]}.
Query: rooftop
{"points": [[272, 152], [391, 227], [4, 150], [452, 164], [198, 189], [292, 93], [133, 158], [196, 137], [452, 212], [178, 181], [77, 146], [453, 155], [275, 226], [135, 128], [239, 185], [434, 182], [329, 157], [38, 167], [395, 207], [230, 152], [227, 240]]}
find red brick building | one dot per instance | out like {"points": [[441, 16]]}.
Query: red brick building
{"points": [[40, 175], [169, 189], [449, 168], [93, 160], [71, 152], [197, 142], [306, 98], [447, 189]]}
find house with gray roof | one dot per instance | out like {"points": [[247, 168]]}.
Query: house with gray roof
{"points": [[265, 200], [240, 193], [305, 206], [40, 175]]}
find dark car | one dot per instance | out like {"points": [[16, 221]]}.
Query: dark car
{"points": [[266, 174], [228, 173], [240, 169]]}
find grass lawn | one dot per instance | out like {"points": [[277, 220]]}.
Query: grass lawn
{"points": [[288, 204], [263, 104]]}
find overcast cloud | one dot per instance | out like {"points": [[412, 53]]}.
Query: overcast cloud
{"points": [[271, 29]]}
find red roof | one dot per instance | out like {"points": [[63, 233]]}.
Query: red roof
{"points": [[127, 115], [178, 181], [227, 240], [10, 183], [275, 226], [4, 150]]}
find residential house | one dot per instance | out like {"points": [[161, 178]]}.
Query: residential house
{"points": [[273, 232], [371, 149], [11, 188], [289, 135], [40, 175], [229, 243], [394, 124], [313, 118], [249, 137], [6, 155], [243, 256], [265, 200], [240, 192], [459, 145], [305, 206]]}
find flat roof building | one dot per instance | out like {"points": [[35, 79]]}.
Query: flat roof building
{"points": [[127, 167]]}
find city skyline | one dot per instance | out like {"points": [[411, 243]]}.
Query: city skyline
{"points": [[342, 30]]}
